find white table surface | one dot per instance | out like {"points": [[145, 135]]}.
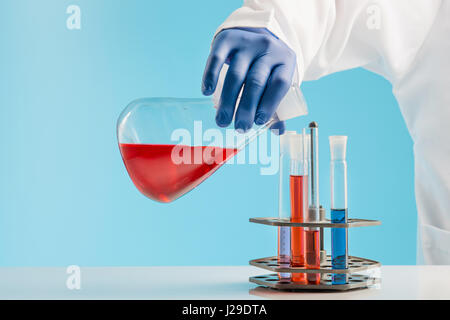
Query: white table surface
{"points": [[398, 282]]}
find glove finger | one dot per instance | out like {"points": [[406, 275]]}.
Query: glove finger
{"points": [[277, 87], [232, 85], [220, 51], [254, 86], [278, 128]]}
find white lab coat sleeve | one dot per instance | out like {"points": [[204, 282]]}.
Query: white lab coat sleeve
{"points": [[302, 25], [333, 35]]}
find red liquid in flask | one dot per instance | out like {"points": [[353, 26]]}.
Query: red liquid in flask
{"points": [[299, 205], [155, 173]]}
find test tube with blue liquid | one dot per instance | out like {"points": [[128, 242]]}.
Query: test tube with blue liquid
{"points": [[339, 236]]}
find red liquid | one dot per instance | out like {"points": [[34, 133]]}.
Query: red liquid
{"points": [[312, 254], [157, 172], [299, 205]]}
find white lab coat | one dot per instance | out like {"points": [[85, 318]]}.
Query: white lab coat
{"points": [[405, 41]]}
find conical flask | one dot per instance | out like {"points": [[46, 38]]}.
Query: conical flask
{"points": [[171, 145]]}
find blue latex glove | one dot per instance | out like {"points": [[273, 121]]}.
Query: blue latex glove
{"points": [[257, 59]]}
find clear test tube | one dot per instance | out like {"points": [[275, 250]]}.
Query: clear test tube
{"points": [[339, 236], [312, 235], [299, 202], [284, 206]]}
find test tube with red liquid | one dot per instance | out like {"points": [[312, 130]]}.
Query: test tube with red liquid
{"points": [[284, 205], [299, 202], [312, 234]]}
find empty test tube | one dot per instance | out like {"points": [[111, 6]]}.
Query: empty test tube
{"points": [[339, 236]]}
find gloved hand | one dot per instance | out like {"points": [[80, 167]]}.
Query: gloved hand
{"points": [[258, 60]]}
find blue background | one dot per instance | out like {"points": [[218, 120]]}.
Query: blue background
{"points": [[65, 197]]}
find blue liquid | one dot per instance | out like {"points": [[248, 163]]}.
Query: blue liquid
{"points": [[339, 250], [284, 250]]}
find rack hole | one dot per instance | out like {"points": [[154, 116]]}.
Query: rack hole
{"points": [[356, 280]]}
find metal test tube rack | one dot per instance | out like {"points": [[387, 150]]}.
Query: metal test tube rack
{"points": [[355, 264]]}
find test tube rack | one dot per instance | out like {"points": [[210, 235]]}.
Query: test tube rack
{"points": [[355, 264]]}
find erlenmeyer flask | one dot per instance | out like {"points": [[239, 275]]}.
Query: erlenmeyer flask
{"points": [[170, 145]]}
